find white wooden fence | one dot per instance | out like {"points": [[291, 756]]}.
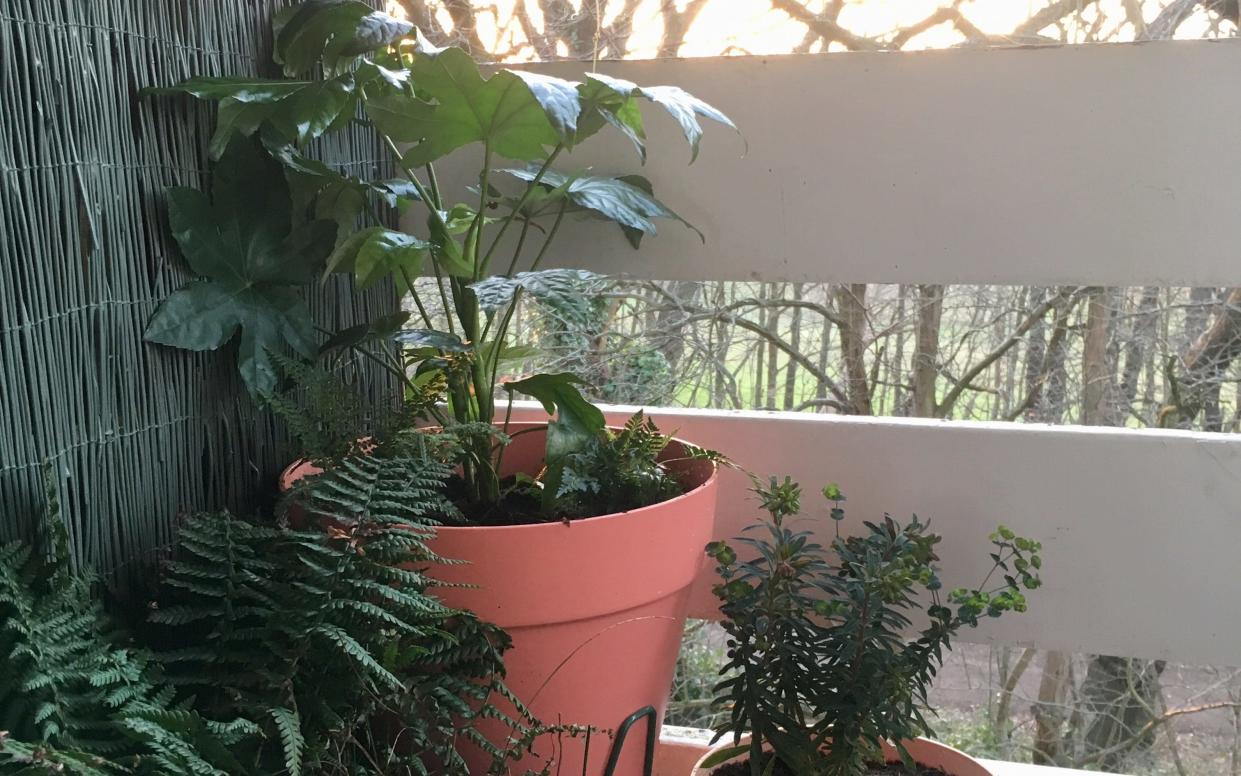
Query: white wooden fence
{"points": [[1085, 165]]}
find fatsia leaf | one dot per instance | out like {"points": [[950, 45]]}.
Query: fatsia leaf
{"points": [[627, 201], [314, 109], [296, 111], [236, 118], [382, 328], [398, 115], [500, 111], [260, 90], [559, 99], [577, 422], [242, 245], [374, 31], [684, 107], [604, 103], [335, 31], [431, 338], [375, 253], [557, 287]]}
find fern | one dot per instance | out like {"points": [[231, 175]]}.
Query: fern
{"points": [[73, 698], [617, 472], [329, 640]]}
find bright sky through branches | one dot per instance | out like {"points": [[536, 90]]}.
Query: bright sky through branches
{"points": [[739, 27]]}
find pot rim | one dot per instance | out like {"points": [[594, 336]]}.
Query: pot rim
{"points": [[286, 479]]}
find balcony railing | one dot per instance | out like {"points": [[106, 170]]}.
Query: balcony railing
{"points": [[1087, 166]]}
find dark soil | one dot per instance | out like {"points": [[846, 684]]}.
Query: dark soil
{"points": [[518, 505], [896, 769]]}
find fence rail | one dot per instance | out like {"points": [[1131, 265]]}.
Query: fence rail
{"points": [[1096, 165], [1140, 529]]}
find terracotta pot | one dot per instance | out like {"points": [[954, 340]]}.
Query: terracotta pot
{"points": [[926, 752], [595, 607]]}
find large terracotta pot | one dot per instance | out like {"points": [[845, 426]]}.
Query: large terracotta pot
{"points": [[926, 752], [595, 607]]}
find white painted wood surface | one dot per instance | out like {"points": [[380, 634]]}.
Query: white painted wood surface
{"points": [[1141, 529], [1115, 164], [680, 745]]}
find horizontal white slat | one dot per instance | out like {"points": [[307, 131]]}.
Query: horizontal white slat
{"points": [[1084, 164], [1142, 529], [680, 748]]}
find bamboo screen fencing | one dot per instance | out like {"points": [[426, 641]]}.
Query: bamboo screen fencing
{"points": [[134, 433]]}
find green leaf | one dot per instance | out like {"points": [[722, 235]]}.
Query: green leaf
{"points": [[289, 724], [297, 110], [317, 29], [627, 200], [382, 328], [559, 99], [236, 118], [247, 90], [375, 253], [315, 109], [500, 110], [577, 423], [398, 115], [374, 31], [684, 107], [558, 287], [430, 338], [611, 101], [242, 245]]}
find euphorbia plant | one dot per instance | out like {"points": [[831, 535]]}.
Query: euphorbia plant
{"points": [[347, 65], [825, 658]]}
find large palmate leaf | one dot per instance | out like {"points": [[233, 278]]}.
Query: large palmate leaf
{"points": [[680, 104], [294, 111], [240, 242], [577, 422], [604, 104], [375, 253], [334, 31], [559, 99], [557, 287], [626, 200], [464, 108]]}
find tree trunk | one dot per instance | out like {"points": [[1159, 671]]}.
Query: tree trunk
{"points": [[926, 350], [1141, 341], [1119, 696], [851, 301], [790, 370], [1049, 710], [1205, 365], [1096, 367]]}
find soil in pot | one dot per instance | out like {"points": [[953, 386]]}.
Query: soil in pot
{"points": [[892, 769]]}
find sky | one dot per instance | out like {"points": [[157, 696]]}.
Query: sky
{"points": [[753, 27]]}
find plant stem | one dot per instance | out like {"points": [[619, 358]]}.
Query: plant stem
{"points": [[502, 331], [525, 197]]}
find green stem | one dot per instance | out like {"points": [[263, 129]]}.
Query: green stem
{"points": [[502, 331], [432, 203], [525, 197]]}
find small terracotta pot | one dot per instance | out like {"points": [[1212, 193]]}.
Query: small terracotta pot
{"points": [[595, 607], [925, 752]]}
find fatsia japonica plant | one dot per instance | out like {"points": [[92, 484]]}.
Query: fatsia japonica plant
{"points": [[262, 234], [825, 658]]}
